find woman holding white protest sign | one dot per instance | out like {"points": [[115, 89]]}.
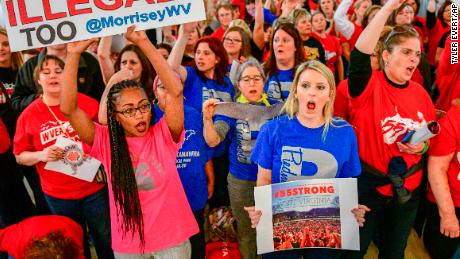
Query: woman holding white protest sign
{"points": [[150, 215], [312, 129], [38, 128]]}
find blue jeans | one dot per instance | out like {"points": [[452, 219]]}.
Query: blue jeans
{"points": [[92, 212]]}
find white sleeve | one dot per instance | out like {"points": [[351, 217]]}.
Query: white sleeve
{"points": [[343, 24]]}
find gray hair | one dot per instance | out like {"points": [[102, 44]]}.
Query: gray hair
{"points": [[251, 62]]}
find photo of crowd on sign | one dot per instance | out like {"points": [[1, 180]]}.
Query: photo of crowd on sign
{"points": [[306, 216]]}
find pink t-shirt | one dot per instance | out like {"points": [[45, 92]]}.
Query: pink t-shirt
{"points": [[168, 219]]}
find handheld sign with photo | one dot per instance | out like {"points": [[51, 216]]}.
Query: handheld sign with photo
{"points": [[307, 214], [74, 163], [32, 23]]}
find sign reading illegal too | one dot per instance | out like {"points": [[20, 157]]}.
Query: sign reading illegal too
{"points": [[40, 23]]}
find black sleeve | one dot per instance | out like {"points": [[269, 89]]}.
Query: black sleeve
{"points": [[359, 72], [442, 41], [25, 90], [95, 83], [322, 54], [430, 19], [255, 51]]}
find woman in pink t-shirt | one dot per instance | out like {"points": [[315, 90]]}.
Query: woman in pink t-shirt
{"points": [[149, 212]]}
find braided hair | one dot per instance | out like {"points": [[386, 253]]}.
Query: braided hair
{"points": [[124, 186]]}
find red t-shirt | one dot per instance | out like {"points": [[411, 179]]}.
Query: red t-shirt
{"points": [[15, 239], [447, 79], [37, 129], [5, 141], [242, 7], [332, 49], [218, 33], [382, 115], [417, 77], [446, 143], [342, 101], [313, 5], [354, 37], [434, 36]]}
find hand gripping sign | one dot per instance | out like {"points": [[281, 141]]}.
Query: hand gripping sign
{"points": [[40, 23]]}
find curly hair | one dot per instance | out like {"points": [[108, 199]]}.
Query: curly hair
{"points": [[54, 245]]}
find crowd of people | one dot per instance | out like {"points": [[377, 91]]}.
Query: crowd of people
{"points": [[307, 233], [353, 77]]}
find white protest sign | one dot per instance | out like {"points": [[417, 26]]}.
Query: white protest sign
{"points": [[74, 163], [40, 23], [312, 213]]}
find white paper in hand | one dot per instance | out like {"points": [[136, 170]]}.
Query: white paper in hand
{"points": [[74, 163]]}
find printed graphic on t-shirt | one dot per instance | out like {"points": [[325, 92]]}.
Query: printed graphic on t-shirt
{"points": [[50, 130], [244, 141], [144, 167], [329, 54], [273, 90], [302, 163], [395, 126], [9, 88], [213, 94], [311, 53], [185, 157]]}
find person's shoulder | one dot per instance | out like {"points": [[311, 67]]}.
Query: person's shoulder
{"points": [[31, 108], [87, 100], [341, 127], [340, 123], [89, 58], [31, 63], [192, 114], [277, 123]]}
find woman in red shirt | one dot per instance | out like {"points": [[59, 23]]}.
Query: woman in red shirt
{"points": [[38, 128], [386, 105]]}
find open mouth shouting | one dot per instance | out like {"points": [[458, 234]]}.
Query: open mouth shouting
{"points": [[141, 126]]}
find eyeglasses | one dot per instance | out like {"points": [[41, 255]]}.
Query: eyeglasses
{"points": [[230, 40], [131, 112], [257, 79]]}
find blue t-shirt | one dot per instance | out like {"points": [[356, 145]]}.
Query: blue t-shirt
{"points": [[294, 152], [269, 17], [242, 140], [198, 90], [272, 88], [192, 158]]}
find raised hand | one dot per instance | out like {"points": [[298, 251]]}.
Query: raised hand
{"points": [[209, 107], [394, 4], [135, 36], [80, 46]]}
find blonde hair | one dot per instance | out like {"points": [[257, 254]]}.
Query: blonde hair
{"points": [[16, 57], [291, 107]]}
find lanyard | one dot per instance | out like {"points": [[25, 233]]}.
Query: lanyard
{"points": [[56, 118]]}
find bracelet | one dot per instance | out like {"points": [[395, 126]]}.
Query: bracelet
{"points": [[425, 148]]}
